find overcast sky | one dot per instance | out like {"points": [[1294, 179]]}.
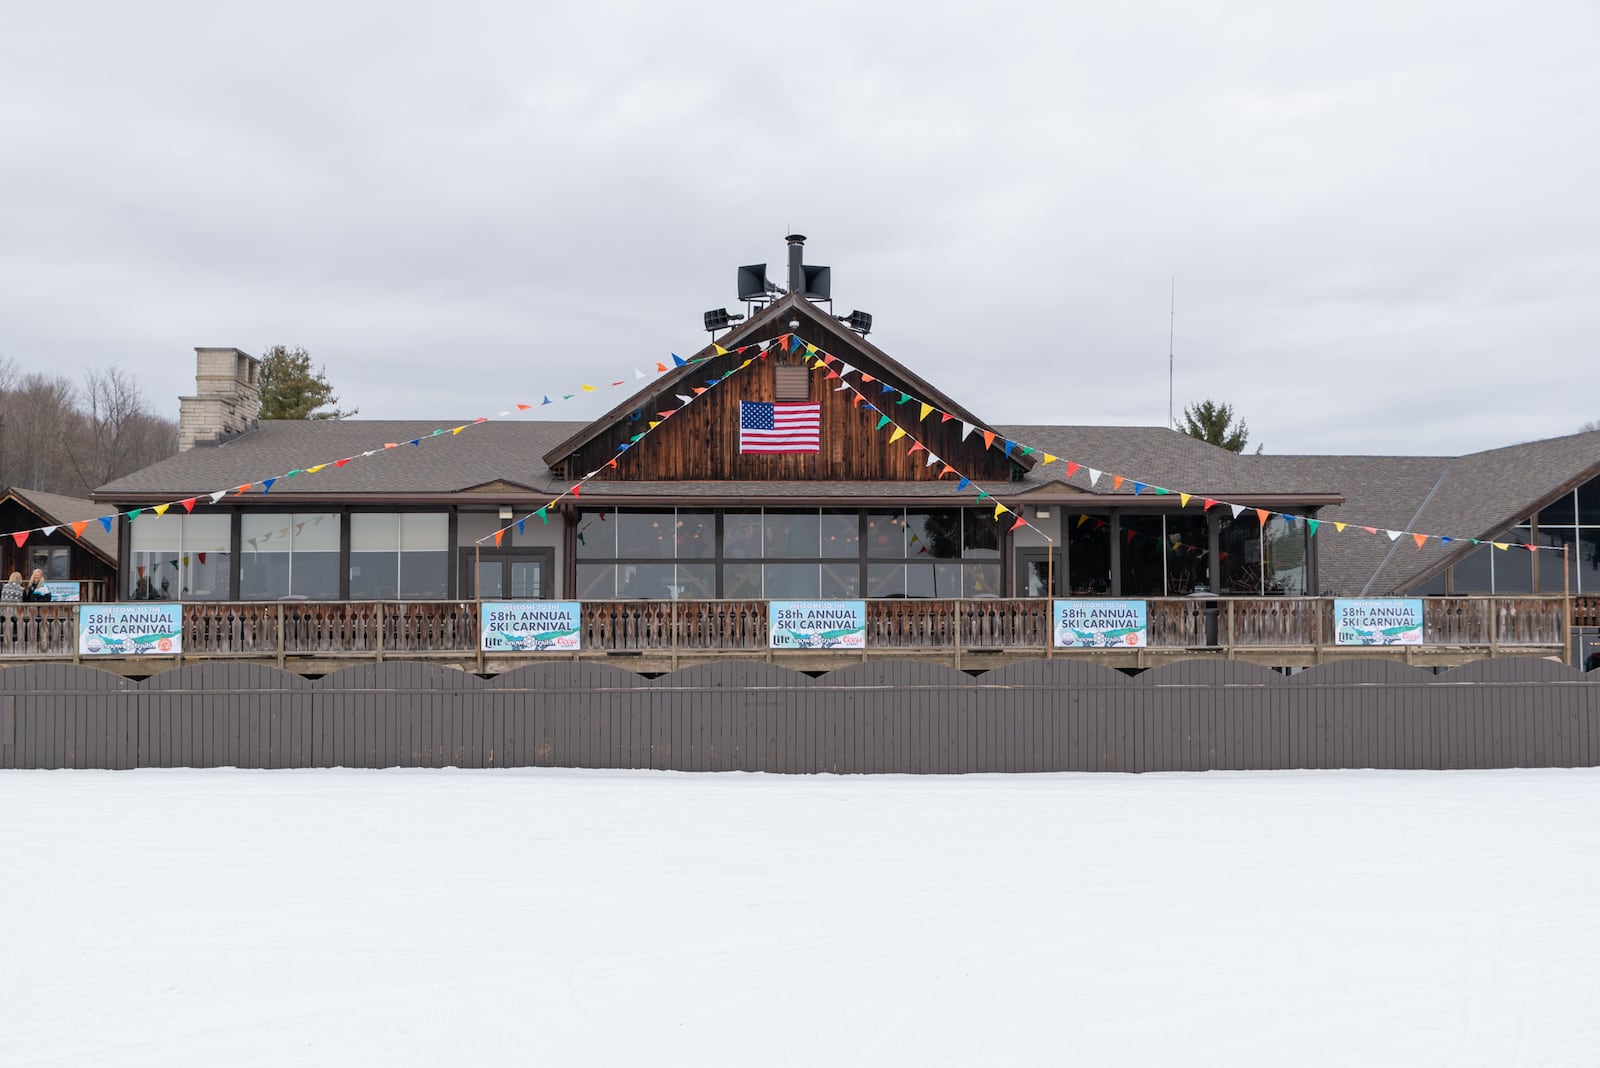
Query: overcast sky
{"points": [[1382, 218]]}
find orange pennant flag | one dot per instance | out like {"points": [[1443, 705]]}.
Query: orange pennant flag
{"points": [[946, 471], [1263, 515], [80, 526], [867, 378], [244, 488], [660, 366], [497, 536], [988, 439], [1421, 539], [1116, 482], [523, 407]]}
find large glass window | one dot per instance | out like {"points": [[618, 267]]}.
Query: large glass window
{"points": [[1241, 554], [395, 555], [1188, 544], [289, 555], [1283, 556], [1143, 556], [1089, 553], [180, 557]]}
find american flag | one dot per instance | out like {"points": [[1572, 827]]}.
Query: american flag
{"points": [[765, 427]]}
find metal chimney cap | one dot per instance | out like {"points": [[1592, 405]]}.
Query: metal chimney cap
{"points": [[796, 239]]}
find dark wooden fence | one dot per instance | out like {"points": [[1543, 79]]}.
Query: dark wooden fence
{"points": [[878, 716]]}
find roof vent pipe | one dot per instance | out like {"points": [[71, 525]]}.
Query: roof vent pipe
{"points": [[797, 276]]}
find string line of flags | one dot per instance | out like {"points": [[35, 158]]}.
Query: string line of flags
{"points": [[834, 368]]}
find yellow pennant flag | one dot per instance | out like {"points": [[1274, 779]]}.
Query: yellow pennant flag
{"points": [[897, 435], [161, 509], [747, 363], [654, 423], [1502, 545], [587, 388], [1049, 459], [1338, 526], [1183, 500], [926, 408], [721, 351], [457, 430], [314, 470], [999, 510]]}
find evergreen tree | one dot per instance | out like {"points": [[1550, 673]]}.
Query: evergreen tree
{"points": [[1214, 423], [290, 389]]}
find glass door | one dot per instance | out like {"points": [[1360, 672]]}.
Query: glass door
{"points": [[1034, 573], [513, 574]]}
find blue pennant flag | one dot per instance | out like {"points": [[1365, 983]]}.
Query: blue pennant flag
{"points": [[965, 482], [520, 522], [546, 400], [1138, 488], [678, 360], [105, 521], [266, 484], [1009, 446]]}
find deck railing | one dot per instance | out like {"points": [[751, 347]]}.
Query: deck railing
{"points": [[400, 629]]}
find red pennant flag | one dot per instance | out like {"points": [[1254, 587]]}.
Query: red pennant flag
{"points": [[1072, 468], [1129, 538], [914, 448], [1421, 539], [1532, 548], [20, 538], [80, 526], [188, 505], [666, 414], [1263, 515], [1370, 530], [1018, 523], [497, 536], [828, 357], [341, 463], [988, 439], [832, 374], [576, 488], [202, 557], [945, 417], [523, 407], [1210, 504], [485, 418]]}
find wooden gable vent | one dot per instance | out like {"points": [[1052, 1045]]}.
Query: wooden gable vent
{"points": [[791, 384]]}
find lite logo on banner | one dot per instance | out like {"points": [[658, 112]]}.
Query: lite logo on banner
{"points": [[766, 427]]}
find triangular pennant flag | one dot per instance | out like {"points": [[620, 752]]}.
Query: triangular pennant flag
{"points": [[1394, 535], [105, 521], [135, 514], [319, 467], [545, 519], [576, 488], [1444, 540], [988, 439], [865, 378], [1370, 530], [963, 484], [217, 496], [678, 361], [1019, 521], [1210, 504], [1311, 527], [161, 509], [1502, 546], [916, 446], [932, 459], [523, 407], [1532, 548], [1161, 491], [1048, 459], [1130, 536], [244, 488], [20, 537], [1072, 468], [982, 493], [1116, 482], [1183, 500], [1338, 526], [1094, 477], [1263, 515], [718, 349], [1009, 446], [497, 536], [844, 368], [1000, 510], [188, 504], [47, 531], [926, 409], [79, 527], [683, 397], [899, 433], [1138, 488], [883, 421], [266, 484], [905, 398], [966, 429], [945, 470], [1237, 508]]}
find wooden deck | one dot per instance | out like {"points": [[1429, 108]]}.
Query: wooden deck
{"points": [[650, 636]]}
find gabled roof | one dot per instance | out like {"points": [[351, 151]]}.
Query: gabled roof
{"points": [[765, 325], [59, 511]]}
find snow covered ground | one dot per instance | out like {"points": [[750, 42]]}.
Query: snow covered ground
{"points": [[566, 917]]}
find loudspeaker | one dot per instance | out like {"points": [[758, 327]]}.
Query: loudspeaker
{"points": [[818, 282], [753, 282]]}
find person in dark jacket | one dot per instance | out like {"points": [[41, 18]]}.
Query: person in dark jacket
{"points": [[38, 589], [13, 589]]}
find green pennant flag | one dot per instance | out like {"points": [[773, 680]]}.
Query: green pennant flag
{"points": [[1311, 527], [296, 472], [1160, 491], [135, 514], [905, 398], [982, 494], [883, 421], [1027, 450], [542, 517], [636, 437]]}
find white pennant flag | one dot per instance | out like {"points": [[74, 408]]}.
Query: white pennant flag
{"points": [[685, 400], [217, 496], [47, 531], [1394, 535], [966, 428], [841, 387], [638, 373], [1094, 477], [844, 368], [932, 459], [1237, 508]]}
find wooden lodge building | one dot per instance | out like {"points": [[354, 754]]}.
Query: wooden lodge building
{"points": [[671, 540]]}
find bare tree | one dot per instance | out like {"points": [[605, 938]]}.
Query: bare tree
{"points": [[65, 439], [37, 420]]}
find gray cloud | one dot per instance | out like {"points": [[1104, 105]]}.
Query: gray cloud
{"points": [[1382, 223]]}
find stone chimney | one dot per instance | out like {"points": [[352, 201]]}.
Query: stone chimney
{"points": [[226, 401]]}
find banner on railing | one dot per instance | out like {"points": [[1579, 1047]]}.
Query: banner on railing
{"points": [[531, 626], [1377, 621], [61, 590], [134, 629], [1096, 624], [817, 624]]}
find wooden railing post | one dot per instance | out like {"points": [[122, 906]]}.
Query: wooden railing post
{"points": [[280, 634], [1229, 653], [1494, 627], [379, 645], [673, 623]]}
